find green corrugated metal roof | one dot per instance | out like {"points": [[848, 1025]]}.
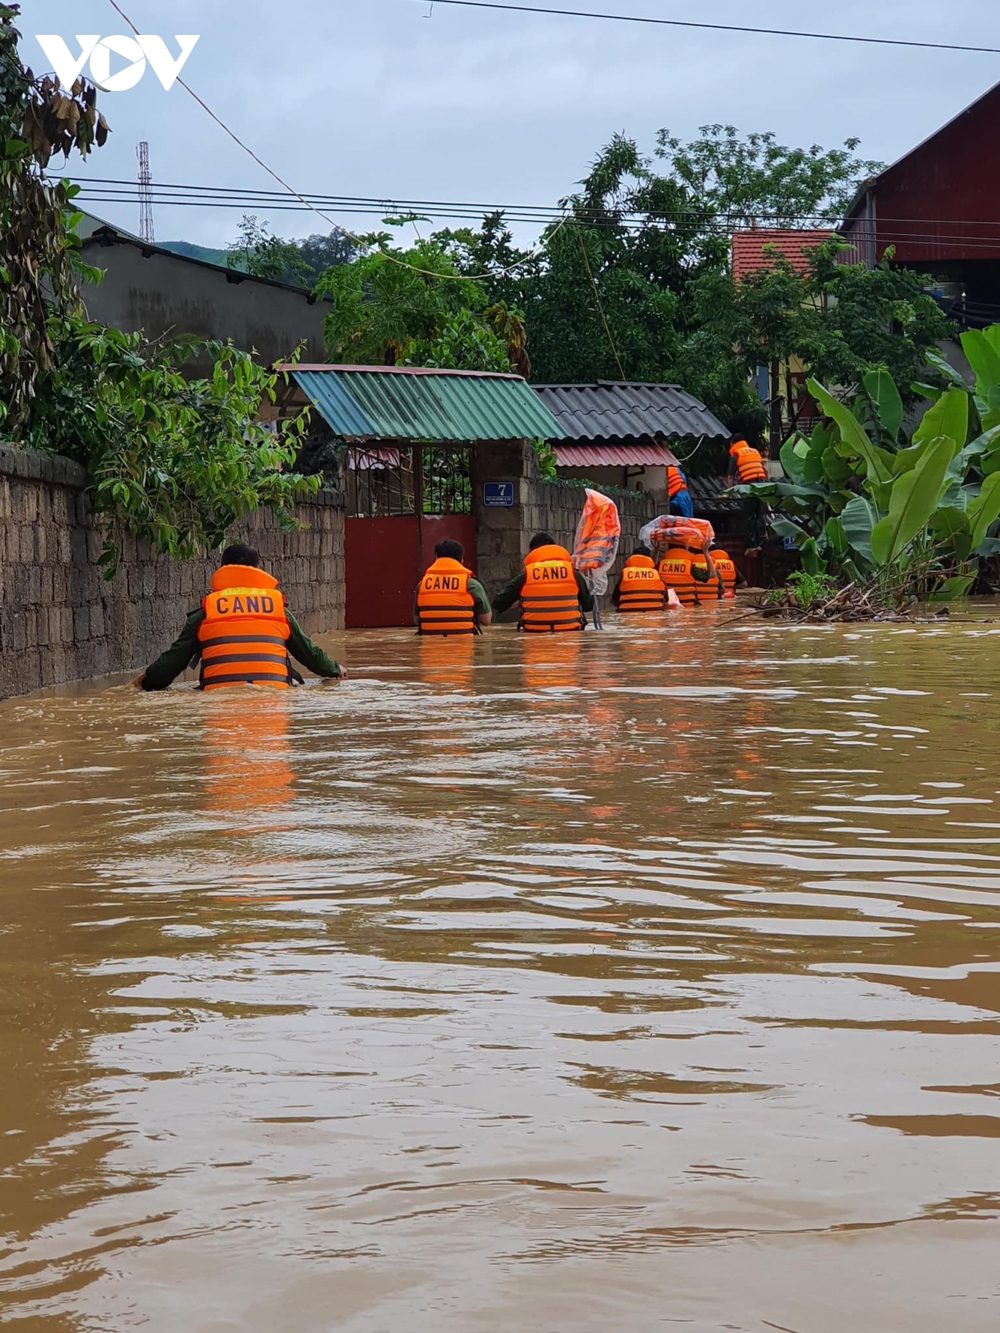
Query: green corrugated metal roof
{"points": [[417, 404]]}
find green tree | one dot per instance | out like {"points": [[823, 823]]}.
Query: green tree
{"points": [[39, 249], [613, 295], [257, 252], [839, 319], [172, 458], [394, 306]]}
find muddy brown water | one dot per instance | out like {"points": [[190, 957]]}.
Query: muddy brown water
{"points": [[635, 981]]}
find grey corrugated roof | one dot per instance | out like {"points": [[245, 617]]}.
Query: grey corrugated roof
{"points": [[610, 411], [708, 498]]}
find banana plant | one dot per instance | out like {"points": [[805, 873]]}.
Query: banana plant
{"points": [[864, 498]]}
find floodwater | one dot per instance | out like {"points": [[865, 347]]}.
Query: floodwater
{"points": [[637, 981]]}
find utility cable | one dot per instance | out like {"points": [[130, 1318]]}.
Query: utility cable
{"points": [[401, 263], [720, 27], [112, 190], [600, 306], [891, 230]]}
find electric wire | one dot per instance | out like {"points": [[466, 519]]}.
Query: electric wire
{"points": [[394, 259], [720, 27], [892, 230], [110, 190]]}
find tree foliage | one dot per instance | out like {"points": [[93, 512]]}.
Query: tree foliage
{"points": [[413, 307], [39, 251], [634, 282], [257, 251], [171, 458], [906, 517], [174, 459]]}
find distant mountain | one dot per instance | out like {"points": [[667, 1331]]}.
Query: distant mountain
{"points": [[191, 251]]}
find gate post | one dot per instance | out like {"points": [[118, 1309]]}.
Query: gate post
{"points": [[500, 532]]}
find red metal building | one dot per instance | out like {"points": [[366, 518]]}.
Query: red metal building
{"points": [[938, 208]]}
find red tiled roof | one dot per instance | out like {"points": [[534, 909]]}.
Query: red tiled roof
{"points": [[614, 455], [751, 253]]}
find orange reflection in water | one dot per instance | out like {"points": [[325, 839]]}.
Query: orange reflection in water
{"points": [[248, 755]]}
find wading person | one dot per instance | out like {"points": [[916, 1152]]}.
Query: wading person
{"points": [[729, 577], [450, 599], [641, 587], [692, 575], [553, 595], [242, 633]]}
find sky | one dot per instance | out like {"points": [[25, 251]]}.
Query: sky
{"points": [[409, 99]]}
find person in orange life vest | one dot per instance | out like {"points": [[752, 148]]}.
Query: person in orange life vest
{"points": [[748, 463], [553, 595], [728, 576], [689, 571], [677, 490], [748, 466], [242, 633], [450, 599], [640, 588]]}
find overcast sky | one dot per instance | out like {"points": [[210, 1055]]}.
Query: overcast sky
{"points": [[375, 98]]}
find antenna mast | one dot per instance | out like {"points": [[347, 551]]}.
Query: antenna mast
{"points": [[145, 194]]}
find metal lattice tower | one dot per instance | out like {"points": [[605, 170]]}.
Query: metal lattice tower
{"points": [[145, 194]]}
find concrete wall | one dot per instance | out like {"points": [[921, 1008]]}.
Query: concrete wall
{"points": [[61, 621], [540, 506], [153, 290]]}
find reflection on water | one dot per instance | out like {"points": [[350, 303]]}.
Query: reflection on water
{"points": [[595, 982]]}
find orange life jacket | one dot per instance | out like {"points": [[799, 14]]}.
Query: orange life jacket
{"points": [[749, 464], [244, 635], [676, 481], [711, 590], [727, 572], [641, 587], [675, 571], [444, 603], [550, 598]]}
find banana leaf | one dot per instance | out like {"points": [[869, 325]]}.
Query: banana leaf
{"points": [[984, 359], [888, 404], [951, 527], [945, 368], [792, 462], [812, 561], [989, 548], [785, 528], [984, 511], [907, 459], [947, 418], [914, 498], [963, 460], [858, 519], [852, 432], [835, 468], [927, 391], [954, 589], [992, 336], [836, 537]]}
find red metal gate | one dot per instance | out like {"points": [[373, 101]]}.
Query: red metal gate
{"points": [[390, 533]]}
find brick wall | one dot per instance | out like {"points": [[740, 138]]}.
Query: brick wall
{"points": [[61, 621], [540, 506]]}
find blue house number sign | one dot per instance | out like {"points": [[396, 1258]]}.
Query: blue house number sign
{"points": [[498, 495]]}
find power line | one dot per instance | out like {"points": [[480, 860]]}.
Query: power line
{"points": [[196, 196], [720, 27], [749, 219], [332, 222]]}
